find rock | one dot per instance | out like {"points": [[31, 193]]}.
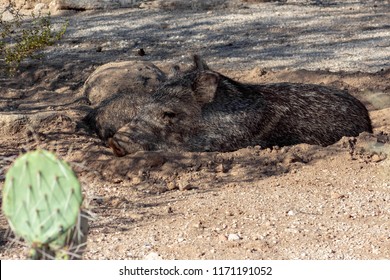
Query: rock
{"points": [[137, 180], [172, 186], [257, 72], [21, 3], [291, 213], [378, 158], [184, 185], [39, 7], [233, 237], [7, 16], [180, 239], [222, 168]]}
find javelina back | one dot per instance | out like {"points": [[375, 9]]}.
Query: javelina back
{"points": [[120, 78], [203, 110]]}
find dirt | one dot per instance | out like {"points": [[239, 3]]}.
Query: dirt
{"points": [[295, 202]]}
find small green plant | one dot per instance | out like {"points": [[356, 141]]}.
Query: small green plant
{"points": [[19, 41], [41, 201]]}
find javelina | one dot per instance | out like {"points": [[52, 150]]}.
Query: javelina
{"points": [[114, 113], [117, 90], [202, 110]]}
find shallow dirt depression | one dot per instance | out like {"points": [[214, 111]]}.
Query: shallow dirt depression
{"points": [[296, 202]]}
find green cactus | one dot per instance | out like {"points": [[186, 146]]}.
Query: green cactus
{"points": [[41, 200]]}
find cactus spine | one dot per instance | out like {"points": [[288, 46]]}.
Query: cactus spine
{"points": [[41, 201]]}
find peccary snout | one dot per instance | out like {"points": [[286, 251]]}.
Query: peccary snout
{"points": [[203, 110]]}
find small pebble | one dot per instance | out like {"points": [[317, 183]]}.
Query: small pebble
{"points": [[290, 213], [376, 158], [233, 237], [180, 239]]}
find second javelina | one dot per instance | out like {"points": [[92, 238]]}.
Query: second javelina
{"points": [[203, 110]]}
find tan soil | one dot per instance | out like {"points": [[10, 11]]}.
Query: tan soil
{"points": [[298, 202]]}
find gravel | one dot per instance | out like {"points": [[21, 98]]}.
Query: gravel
{"points": [[335, 35]]}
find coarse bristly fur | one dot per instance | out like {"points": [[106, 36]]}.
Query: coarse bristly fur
{"points": [[113, 113], [203, 110]]}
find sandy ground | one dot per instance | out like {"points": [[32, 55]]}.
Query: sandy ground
{"points": [[298, 202]]}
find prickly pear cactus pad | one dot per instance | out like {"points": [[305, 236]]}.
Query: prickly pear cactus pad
{"points": [[41, 197]]}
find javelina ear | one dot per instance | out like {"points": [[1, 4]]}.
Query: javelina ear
{"points": [[205, 86], [200, 64]]}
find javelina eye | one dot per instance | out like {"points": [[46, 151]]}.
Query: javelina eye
{"points": [[169, 115]]}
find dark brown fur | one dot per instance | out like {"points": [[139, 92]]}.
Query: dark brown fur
{"points": [[203, 110], [114, 113]]}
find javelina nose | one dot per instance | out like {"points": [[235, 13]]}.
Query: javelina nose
{"points": [[132, 137]]}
